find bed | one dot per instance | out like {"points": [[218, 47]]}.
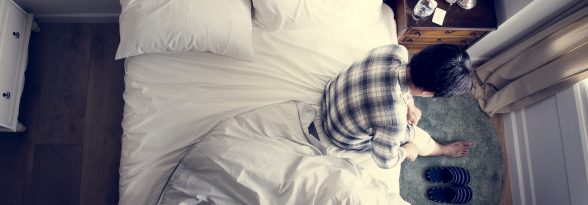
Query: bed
{"points": [[177, 89]]}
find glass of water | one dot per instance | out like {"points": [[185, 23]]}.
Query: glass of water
{"points": [[424, 8], [467, 4]]}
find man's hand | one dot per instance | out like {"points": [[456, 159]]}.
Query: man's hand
{"points": [[411, 151], [413, 115]]}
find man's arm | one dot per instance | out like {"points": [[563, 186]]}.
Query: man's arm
{"points": [[386, 147]]}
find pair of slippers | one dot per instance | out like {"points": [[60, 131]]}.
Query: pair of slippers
{"points": [[457, 192]]}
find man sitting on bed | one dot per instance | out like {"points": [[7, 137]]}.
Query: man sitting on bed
{"points": [[369, 106]]}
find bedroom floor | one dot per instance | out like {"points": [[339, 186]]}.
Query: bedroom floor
{"points": [[72, 107]]}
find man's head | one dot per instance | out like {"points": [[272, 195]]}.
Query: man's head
{"points": [[443, 69]]}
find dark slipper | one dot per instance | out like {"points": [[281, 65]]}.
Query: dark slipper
{"points": [[451, 175], [450, 194]]}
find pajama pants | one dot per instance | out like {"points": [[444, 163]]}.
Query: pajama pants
{"points": [[390, 177], [425, 144]]}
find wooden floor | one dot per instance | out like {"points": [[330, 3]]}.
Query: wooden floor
{"points": [[72, 107], [506, 197]]}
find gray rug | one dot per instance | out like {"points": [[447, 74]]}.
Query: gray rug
{"points": [[452, 119]]}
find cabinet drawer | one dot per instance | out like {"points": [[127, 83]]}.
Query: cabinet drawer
{"points": [[443, 33], [12, 35], [435, 40]]}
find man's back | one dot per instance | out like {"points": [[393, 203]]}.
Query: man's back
{"points": [[365, 105]]}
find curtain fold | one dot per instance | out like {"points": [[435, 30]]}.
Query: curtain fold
{"points": [[537, 67]]}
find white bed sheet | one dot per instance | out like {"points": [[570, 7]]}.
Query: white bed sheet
{"points": [[173, 99]]}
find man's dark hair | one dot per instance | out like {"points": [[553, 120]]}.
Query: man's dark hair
{"points": [[444, 69]]}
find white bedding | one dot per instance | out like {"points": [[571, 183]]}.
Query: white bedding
{"points": [[173, 99], [268, 156]]}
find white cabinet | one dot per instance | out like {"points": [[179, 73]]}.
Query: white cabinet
{"points": [[15, 30]]}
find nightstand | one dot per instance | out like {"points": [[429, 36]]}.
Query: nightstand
{"points": [[15, 30], [460, 27]]}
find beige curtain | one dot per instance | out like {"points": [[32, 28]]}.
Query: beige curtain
{"points": [[546, 62]]}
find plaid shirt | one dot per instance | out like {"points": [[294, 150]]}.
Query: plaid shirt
{"points": [[365, 106]]}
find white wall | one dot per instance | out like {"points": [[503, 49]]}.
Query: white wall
{"points": [[44, 7], [72, 10], [547, 147], [514, 25]]}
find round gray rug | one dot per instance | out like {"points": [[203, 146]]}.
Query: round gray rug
{"points": [[450, 119]]}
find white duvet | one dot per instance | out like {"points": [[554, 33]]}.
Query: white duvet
{"points": [[265, 156], [173, 99]]}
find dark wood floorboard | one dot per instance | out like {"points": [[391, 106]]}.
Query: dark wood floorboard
{"points": [[63, 59], [72, 107], [102, 139], [12, 153], [56, 174]]}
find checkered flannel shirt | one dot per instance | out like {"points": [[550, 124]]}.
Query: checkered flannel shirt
{"points": [[365, 106]]}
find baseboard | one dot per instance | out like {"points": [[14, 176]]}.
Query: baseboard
{"points": [[78, 18]]}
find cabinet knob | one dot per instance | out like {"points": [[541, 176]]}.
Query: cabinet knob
{"points": [[448, 32], [418, 33], [16, 34], [410, 40], [439, 40], [6, 95]]}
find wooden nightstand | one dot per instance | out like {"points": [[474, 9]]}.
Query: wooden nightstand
{"points": [[461, 27]]}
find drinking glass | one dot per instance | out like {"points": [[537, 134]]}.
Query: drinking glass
{"points": [[451, 2], [424, 8]]}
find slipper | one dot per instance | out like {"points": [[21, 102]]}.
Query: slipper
{"points": [[450, 194], [451, 175]]}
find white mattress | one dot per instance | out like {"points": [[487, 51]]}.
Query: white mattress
{"points": [[173, 99]]}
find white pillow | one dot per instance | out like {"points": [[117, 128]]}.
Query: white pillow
{"points": [[272, 15], [220, 26]]}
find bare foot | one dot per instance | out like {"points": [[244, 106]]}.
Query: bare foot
{"points": [[457, 148]]}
